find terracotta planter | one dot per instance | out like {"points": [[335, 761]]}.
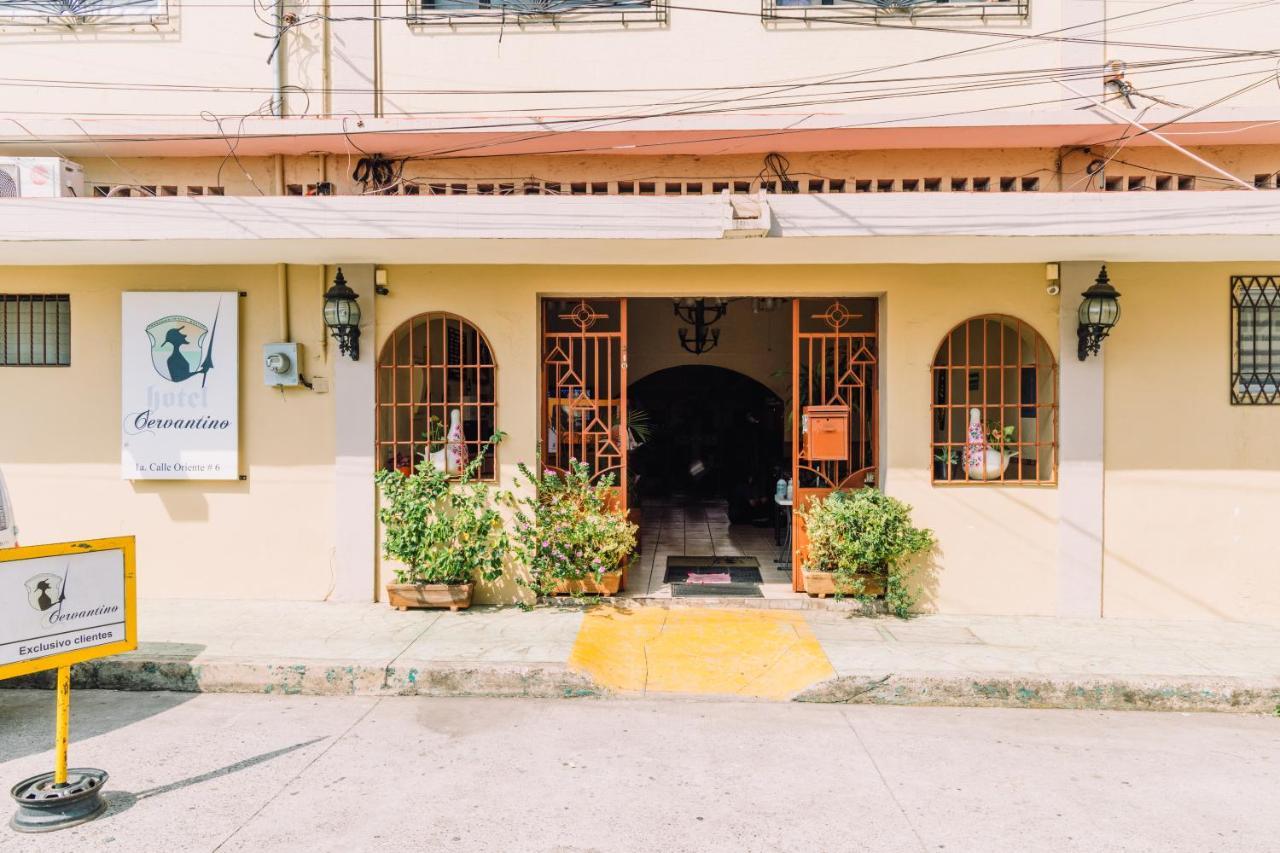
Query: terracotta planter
{"points": [[608, 585], [822, 584], [403, 596]]}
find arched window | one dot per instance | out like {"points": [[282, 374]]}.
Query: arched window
{"points": [[995, 404], [437, 384]]}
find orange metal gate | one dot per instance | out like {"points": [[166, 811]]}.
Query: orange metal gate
{"points": [[584, 387], [834, 381]]}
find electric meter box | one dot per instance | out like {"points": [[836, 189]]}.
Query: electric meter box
{"points": [[281, 364], [826, 433]]}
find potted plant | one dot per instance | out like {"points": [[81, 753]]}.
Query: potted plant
{"points": [[569, 533], [948, 467], [444, 530], [435, 436], [861, 544]]}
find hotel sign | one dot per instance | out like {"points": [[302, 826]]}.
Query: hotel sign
{"points": [[66, 603], [180, 386]]}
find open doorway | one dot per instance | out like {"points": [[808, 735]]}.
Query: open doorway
{"points": [[708, 385], [727, 392]]}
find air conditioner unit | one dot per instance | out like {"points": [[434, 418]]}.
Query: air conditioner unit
{"points": [[40, 177], [8, 527]]}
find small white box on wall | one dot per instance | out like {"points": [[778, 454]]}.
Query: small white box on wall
{"points": [[280, 365]]}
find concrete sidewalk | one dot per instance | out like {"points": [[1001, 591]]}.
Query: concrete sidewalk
{"points": [[811, 656]]}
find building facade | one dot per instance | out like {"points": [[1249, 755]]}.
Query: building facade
{"points": [[898, 207]]}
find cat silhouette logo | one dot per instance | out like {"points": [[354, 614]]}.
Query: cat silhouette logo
{"points": [[182, 347], [44, 591]]}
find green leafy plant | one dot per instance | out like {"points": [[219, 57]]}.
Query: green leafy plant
{"points": [[443, 528], [999, 437], [567, 529], [640, 423], [435, 435], [862, 535]]}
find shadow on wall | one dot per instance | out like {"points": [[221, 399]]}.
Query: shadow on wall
{"points": [[924, 580], [187, 500]]}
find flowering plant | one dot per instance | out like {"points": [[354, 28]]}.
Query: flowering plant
{"points": [[567, 530], [442, 528], [865, 534]]}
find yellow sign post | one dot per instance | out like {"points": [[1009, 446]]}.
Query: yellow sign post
{"points": [[60, 605]]}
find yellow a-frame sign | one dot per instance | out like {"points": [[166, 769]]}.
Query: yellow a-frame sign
{"points": [[66, 603], [59, 605]]}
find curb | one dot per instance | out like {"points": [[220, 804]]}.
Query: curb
{"points": [[557, 681], [322, 678], [1099, 693]]}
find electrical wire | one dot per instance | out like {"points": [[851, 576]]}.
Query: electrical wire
{"points": [[701, 108]]}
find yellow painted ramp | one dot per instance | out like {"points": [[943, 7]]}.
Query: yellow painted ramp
{"points": [[769, 654]]}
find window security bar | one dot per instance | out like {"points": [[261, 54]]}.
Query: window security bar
{"points": [[890, 10], [83, 12], [455, 13]]}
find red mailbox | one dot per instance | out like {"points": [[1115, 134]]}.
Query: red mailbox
{"points": [[826, 433]]}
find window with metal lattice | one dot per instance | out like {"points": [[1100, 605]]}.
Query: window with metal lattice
{"points": [[1255, 340], [995, 404], [35, 330], [437, 396]]}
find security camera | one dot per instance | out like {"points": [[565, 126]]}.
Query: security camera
{"points": [[1053, 289]]}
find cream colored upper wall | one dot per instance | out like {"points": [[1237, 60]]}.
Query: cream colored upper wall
{"points": [[140, 70], [722, 43], [269, 536], [1192, 482], [999, 544]]}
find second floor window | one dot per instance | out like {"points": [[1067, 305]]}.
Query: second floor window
{"points": [[888, 9], [82, 11], [455, 12]]}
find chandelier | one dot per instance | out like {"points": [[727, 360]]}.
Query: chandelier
{"points": [[701, 314]]}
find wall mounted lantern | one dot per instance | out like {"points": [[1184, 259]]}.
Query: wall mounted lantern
{"points": [[1097, 315], [701, 314], [342, 316]]}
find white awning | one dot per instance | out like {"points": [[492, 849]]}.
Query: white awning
{"points": [[827, 229]]}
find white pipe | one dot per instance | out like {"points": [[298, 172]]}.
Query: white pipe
{"points": [[377, 59], [1166, 140], [278, 106]]}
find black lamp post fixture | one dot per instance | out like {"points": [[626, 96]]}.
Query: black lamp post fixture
{"points": [[700, 315], [1097, 315], [342, 316]]}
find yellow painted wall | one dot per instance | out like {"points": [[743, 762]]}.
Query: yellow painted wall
{"points": [[269, 536], [1192, 482], [1191, 490], [999, 545]]}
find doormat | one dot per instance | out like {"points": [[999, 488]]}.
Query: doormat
{"points": [[722, 562], [739, 569], [716, 590], [709, 577]]}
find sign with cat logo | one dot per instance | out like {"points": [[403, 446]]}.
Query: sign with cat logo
{"points": [[180, 386], [65, 603]]}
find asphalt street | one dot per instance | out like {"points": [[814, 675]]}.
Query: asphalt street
{"points": [[209, 772]]}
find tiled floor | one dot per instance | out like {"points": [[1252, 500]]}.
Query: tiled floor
{"points": [[702, 530]]}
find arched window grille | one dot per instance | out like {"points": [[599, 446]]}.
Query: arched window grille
{"points": [[995, 404], [437, 395]]}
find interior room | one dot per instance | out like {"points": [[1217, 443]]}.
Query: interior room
{"points": [[709, 438]]}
